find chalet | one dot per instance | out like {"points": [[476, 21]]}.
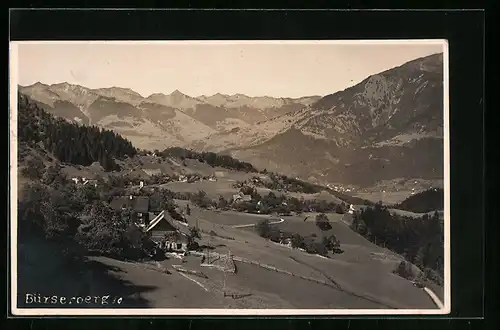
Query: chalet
{"points": [[167, 233]]}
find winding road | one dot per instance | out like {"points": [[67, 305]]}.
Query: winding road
{"points": [[254, 224], [434, 297], [431, 294]]}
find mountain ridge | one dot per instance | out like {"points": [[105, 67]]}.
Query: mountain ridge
{"points": [[364, 126]]}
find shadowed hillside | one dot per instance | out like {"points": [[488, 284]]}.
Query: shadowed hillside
{"points": [[425, 201], [69, 142]]}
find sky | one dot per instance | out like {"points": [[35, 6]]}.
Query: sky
{"points": [[278, 69]]}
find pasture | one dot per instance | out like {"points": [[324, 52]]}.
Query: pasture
{"points": [[363, 269]]}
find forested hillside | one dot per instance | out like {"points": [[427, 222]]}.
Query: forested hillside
{"points": [[210, 158], [70, 142], [419, 240], [425, 201]]}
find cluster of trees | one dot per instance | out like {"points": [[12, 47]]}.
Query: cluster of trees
{"points": [[267, 204], [72, 214], [210, 158], [423, 202], [283, 182], [201, 199], [70, 142], [322, 222], [419, 240], [81, 217], [282, 204], [405, 270], [309, 244], [350, 199]]}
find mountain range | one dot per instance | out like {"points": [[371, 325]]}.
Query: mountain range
{"points": [[388, 126]]}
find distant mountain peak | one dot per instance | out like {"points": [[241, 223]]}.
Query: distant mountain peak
{"points": [[119, 89], [35, 85], [177, 93], [155, 95], [62, 84]]}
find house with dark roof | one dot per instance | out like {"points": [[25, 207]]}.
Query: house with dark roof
{"points": [[167, 233], [139, 205]]}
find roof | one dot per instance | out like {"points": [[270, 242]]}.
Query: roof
{"points": [[137, 203], [158, 221]]}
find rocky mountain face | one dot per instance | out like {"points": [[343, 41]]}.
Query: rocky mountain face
{"points": [[388, 126], [159, 120]]}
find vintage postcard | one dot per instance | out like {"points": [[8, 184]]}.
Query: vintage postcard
{"points": [[229, 177]]}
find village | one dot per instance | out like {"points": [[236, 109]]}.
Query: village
{"points": [[224, 231]]}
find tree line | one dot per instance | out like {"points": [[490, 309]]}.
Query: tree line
{"points": [[419, 240], [424, 202], [81, 218], [209, 158], [282, 182], [70, 142], [311, 244]]}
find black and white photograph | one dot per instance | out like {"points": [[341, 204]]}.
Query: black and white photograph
{"points": [[233, 177]]}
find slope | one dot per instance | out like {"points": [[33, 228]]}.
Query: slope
{"points": [[388, 126]]}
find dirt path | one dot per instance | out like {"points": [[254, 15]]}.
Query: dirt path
{"points": [[434, 298], [254, 224]]}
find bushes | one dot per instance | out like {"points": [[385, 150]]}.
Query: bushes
{"points": [[34, 169], [110, 232], [297, 241], [404, 269], [282, 182], [332, 243], [200, 199], [247, 190], [322, 222], [423, 202], [76, 215], [263, 228], [194, 234], [210, 158], [339, 209], [421, 240]]}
